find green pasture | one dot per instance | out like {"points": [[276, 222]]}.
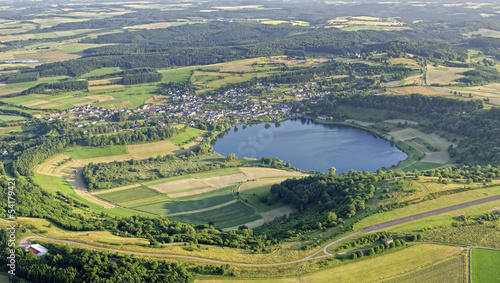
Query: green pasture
{"points": [[186, 136], [485, 265], [82, 152], [177, 75], [189, 203], [136, 193], [103, 71], [226, 216], [253, 195]]}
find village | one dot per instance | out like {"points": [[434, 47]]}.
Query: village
{"points": [[237, 104]]}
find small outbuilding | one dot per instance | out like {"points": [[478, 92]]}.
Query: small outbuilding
{"points": [[387, 241], [37, 249]]}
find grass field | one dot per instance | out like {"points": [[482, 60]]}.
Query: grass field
{"points": [[8, 118], [153, 149], [189, 203], [80, 152], [484, 265], [374, 269], [186, 136], [103, 71], [443, 201], [177, 75], [129, 194], [54, 184], [223, 216], [449, 270], [251, 192]]}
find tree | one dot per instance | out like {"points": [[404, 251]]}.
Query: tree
{"points": [[332, 171], [231, 157]]}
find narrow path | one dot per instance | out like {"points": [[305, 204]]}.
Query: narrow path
{"points": [[468, 264], [237, 196], [24, 242]]}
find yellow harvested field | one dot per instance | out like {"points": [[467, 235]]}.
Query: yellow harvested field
{"points": [[413, 80], [100, 98], [150, 26], [256, 172], [179, 185], [49, 56], [141, 151], [60, 165], [117, 189], [53, 166], [11, 91], [236, 67], [444, 76], [214, 183], [262, 182], [106, 159], [404, 61], [105, 81], [157, 99], [415, 89]]}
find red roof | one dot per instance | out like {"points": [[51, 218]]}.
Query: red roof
{"points": [[35, 251]]}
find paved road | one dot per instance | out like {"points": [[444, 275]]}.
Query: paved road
{"points": [[24, 242], [429, 213]]}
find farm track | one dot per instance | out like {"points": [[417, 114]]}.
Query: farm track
{"points": [[24, 242]]}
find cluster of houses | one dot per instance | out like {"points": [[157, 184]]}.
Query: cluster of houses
{"points": [[187, 108]]}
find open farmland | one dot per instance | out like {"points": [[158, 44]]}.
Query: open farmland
{"points": [[484, 265], [444, 75], [394, 264], [416, 89], [200, 196]]}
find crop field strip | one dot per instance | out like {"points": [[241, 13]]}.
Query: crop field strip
{"points": [[484, 265]]}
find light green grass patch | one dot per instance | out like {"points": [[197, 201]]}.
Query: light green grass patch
{"points": [[223, 216], [56, 184], [253, 195], [186, 136], [136, 193], [103, 71], [177, 75], [485, 265], [189, 203], [81, 152], [8, 118]]}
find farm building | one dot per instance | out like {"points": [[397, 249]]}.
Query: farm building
{"points": [[37, 249], [387, 240]]}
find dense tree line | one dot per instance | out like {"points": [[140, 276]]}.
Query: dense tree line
{"points": [[63, 86], [20, 78], [66, 264], [148, 76], [480, 75]]}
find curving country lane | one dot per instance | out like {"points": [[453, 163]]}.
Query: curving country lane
{"points": [[25, 241]]}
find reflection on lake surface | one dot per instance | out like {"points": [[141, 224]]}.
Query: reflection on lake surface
{"points": [[311, 146]]}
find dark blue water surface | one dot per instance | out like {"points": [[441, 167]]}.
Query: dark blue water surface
{"points": [[311, 146]]}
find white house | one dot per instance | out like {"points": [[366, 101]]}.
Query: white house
{"points": [[37, 249]]}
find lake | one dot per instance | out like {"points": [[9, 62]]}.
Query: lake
{"points": [[311, 146]]}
